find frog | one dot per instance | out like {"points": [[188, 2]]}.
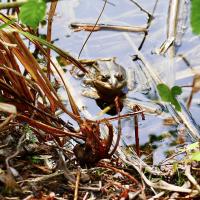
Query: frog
{"points": [[107, 80]]}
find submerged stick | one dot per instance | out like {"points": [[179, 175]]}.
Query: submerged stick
{"points": [[90, 26]]}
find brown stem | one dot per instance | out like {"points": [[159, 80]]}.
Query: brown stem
{"points": [[131, 178], [49, 28], [119, 126], [137, 142]]}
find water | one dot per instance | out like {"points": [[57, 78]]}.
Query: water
{"points": [[119, 44]]}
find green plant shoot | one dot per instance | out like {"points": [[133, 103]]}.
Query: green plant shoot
{"points": [[169, 95]]}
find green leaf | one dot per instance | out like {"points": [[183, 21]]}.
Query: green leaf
{"points": [[196, 156], [195, 16], [164, 92], [169, 95], [32, 12], [193, 146], [176, 90], [176, 103]]}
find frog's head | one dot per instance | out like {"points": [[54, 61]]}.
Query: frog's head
{"points": [[111, 79]]}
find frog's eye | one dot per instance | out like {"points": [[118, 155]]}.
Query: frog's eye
{"points": [[105, 78], [119, 77]]}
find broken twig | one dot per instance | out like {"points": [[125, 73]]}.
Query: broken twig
{"points": [[98, 27], [77, 184]]}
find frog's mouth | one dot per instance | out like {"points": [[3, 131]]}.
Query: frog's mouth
{"points": [[107, 88]]}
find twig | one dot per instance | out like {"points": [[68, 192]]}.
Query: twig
{"points": [[77, 185], [7, 120], [164, 47], [148, 24], [44, 177], [16, 4], [21, 140], [140, 7], [110, 3], [29, 197], [86, 195], [90, 26], [164, 162], [165, 186], [119, 125], [4, 145], [94, 189], [185, 60], [121, 116], [12, 4], [93, 28], [11, 183], [157, 196], [8, 44], [194, 89], [137, 140], [134, 161], [68, 175], [191, 178], [49, 26], [120, 186], [159, 184], [131, 178]]}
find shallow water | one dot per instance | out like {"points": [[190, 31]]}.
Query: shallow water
{"points": [[119, 44], [104, 44]]}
